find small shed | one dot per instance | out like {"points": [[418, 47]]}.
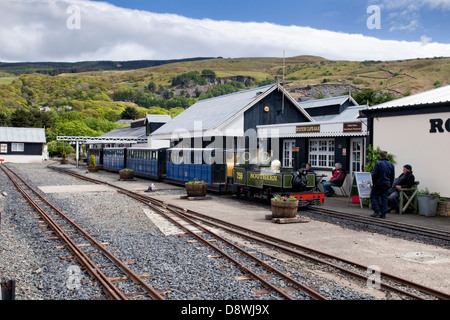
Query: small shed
{"points": [[23, 145]]}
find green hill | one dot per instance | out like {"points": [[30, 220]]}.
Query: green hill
{"points": [[55, 68], [89, 103]]}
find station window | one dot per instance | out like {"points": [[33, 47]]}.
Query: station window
{"points": [[17, 147], [288, 148], [3, 148], [321, 153]]}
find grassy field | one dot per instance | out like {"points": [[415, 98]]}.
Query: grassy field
{"points": [[398, 77], [7, 80]]}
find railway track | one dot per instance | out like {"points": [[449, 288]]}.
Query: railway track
{"points": [[85, 248], [388, 282], [407, 228]]}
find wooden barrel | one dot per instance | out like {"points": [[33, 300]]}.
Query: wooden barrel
{"points": [[284, 209], [196, 189]]}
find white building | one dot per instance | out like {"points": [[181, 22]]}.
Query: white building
{"points": [[416, 130]]}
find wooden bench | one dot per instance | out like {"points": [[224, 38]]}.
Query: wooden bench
{"points": [[408, 198]]}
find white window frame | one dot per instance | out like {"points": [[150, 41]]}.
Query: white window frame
{"points": [[17, 147], [288, 148], [322, 153], [3, 148]]}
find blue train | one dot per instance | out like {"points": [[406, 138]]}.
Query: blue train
{"points": [[225, 171]]}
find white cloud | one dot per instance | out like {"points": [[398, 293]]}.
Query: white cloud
{"points": [[425, 39], [32, 30], [405, 15]]}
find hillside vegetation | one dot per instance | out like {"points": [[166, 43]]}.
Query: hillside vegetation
{"points": [[89, 103]]}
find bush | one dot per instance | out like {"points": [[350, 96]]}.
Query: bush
{"points": [[92, 160]]}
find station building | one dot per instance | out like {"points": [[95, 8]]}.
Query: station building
{"points": [[23, 145], [416, 130], [338, 134]]}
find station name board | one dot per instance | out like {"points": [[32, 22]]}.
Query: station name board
{"points": [[307, 129], [438, 125]]}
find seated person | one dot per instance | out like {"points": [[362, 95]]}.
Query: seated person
{"points": [[337, 179], [405, 180], [308, 168]]}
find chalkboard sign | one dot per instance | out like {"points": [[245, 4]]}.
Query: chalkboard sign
{"points": [[364, 184]]}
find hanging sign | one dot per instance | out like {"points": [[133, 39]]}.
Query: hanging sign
{"points": [[352, 127]]}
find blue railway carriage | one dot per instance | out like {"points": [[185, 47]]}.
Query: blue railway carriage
{"points": [[114, 159], [148, 163], [188, 164]]}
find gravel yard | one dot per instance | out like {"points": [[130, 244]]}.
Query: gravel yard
{"points": [[182, 269]]}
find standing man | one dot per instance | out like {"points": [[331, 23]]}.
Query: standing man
{"points": [[382, 178]]}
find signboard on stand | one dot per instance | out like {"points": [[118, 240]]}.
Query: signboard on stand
{"points": [[362, 184]]}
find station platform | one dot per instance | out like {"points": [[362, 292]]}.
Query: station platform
{"points": [[341, 204]]}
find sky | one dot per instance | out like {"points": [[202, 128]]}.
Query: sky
{"points": [[85, 30]]}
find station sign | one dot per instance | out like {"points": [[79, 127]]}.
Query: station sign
{"points": [[308, 129]]}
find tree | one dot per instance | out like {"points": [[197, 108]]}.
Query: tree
{"points": [[373, 157], [130, 113], [371, 96], [22, 118], [152, 87], [4, 120], [209, 74]]}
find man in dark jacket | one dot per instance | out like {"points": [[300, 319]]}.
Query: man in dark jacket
{"points": [[405, 180], [382, 178]]}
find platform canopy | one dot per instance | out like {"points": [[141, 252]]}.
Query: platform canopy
{"points": [[94, 140]]}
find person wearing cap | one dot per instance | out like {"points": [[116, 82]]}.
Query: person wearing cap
{"points": [[405, 180], [383, 176]]}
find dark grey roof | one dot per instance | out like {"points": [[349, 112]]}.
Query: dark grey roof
{"points": [[34, 135], [157, 118], [126, 132], [350, 113], [216, 112], [326, 102]]}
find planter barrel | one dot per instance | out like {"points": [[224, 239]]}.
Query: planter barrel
{"points": [[196, 190], [126, 175], [284, 209], [443, 208], [92, 168]]}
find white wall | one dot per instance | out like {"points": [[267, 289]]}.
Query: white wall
{"points": [[409, 139]]}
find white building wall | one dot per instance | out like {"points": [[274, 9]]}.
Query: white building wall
{"points": [[409, 139]]}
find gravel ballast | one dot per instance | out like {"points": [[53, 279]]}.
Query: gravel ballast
{"points": [[183, 269]]}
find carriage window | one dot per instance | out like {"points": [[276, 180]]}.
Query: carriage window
{"points": [[3, 148], [198, 157]]}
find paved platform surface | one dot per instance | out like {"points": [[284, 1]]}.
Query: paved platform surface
{"points": [[342, 204]]}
